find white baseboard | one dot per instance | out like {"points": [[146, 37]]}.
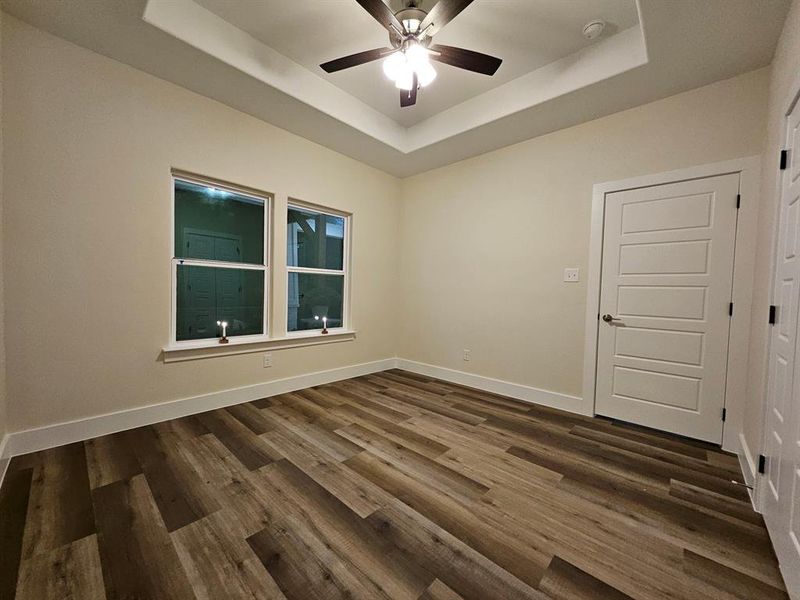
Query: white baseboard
{"points": [[748, 466], [4, 459], [498, 386], [51, 436]]}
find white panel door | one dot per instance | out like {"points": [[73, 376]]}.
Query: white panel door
{"points": [[782, 419], [664, 305]]}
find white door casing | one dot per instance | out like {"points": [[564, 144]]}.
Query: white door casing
{"points": [[668, 255], [780, 485]]}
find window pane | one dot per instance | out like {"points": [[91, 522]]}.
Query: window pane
{"points": [[314, 240], [210, 294], [215, 224], [312, 295]]}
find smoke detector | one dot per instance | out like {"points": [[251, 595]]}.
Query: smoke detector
{"points": [[593, 29]]}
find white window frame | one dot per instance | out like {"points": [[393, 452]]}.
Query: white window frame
{"points": [[343, 272], [268, 200]]}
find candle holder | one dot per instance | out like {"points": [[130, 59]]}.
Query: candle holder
{"points": [[224, 339]]}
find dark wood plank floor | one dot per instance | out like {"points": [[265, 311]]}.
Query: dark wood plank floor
{"points": [[391, 486]]}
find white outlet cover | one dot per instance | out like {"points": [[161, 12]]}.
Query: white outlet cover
{"points": [[571, 275]]}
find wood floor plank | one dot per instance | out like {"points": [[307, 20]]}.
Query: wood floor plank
{"points": [[243, 443], [328, 441], [14, 497], [361, 495], [179, 492], [69, 572], [635, 563], [439, 591], [500, 469], [718, 503], [434, 405], [219, 563], [111, 458], [730, 582], [289, 564], [429, 472], [461, 568], [391, 486], [392, 571], [563, 581], [526, 562], [392, 431], [666, 456], [369, 405], [60, 505], [251, 417], [137, 555], [644, 469], [304, 562], [302, 410]]}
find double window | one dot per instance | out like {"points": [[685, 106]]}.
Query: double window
{"points": [[221, 269]]}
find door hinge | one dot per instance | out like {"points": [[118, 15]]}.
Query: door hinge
{"points": [[784, 159], [724, 414], [762, 464], [772, 311], [730, 309], [738, 200]]}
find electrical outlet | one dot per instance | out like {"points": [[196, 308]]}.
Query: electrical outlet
{"points": [[267, 360], [467, 355], [571, 275]]}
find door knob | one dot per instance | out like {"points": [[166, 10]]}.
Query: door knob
{"points": [[609, 318]]}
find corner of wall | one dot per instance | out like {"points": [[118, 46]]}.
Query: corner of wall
{"points": [[3, 411]]}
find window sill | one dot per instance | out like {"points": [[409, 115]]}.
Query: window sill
{"points": [[208, 349]]}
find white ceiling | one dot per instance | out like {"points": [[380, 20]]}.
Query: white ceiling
{"points": [[526, 34], [270, 72]]}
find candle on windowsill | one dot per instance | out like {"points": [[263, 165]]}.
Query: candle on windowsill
{"points": [[224, 338]]}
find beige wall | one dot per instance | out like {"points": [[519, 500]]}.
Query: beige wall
{"points": [[484, 242], [785, 75], [87, 231]]}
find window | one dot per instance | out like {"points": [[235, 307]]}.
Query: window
{"points": [[316, 259], [220, 260]]}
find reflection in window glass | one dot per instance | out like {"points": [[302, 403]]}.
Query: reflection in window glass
{"points": [[313, 296], [215, 224], [210, 294], [314, 240]]}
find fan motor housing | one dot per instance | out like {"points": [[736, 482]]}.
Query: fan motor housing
{"points": [[411, 13]]}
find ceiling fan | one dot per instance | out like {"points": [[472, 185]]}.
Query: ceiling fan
{"points": [[411, 31]]}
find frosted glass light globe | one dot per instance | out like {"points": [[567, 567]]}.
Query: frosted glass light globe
{"points": [[394, 65], [425, 73], [405, 79]]}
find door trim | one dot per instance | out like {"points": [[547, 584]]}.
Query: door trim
{"points": [[743, 268]]}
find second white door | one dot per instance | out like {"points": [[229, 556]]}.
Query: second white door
{"points": [[664, 305]]}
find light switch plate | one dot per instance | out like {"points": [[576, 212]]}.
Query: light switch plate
{"points": [[571, 275]]}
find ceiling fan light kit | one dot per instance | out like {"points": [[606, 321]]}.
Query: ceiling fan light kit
{"points": [[408, 62], [412, 59]]}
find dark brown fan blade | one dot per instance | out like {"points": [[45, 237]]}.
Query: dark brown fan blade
{"points": [[382, 14], [466, 59], [355, 59], [409, 97], [442, 13]]}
